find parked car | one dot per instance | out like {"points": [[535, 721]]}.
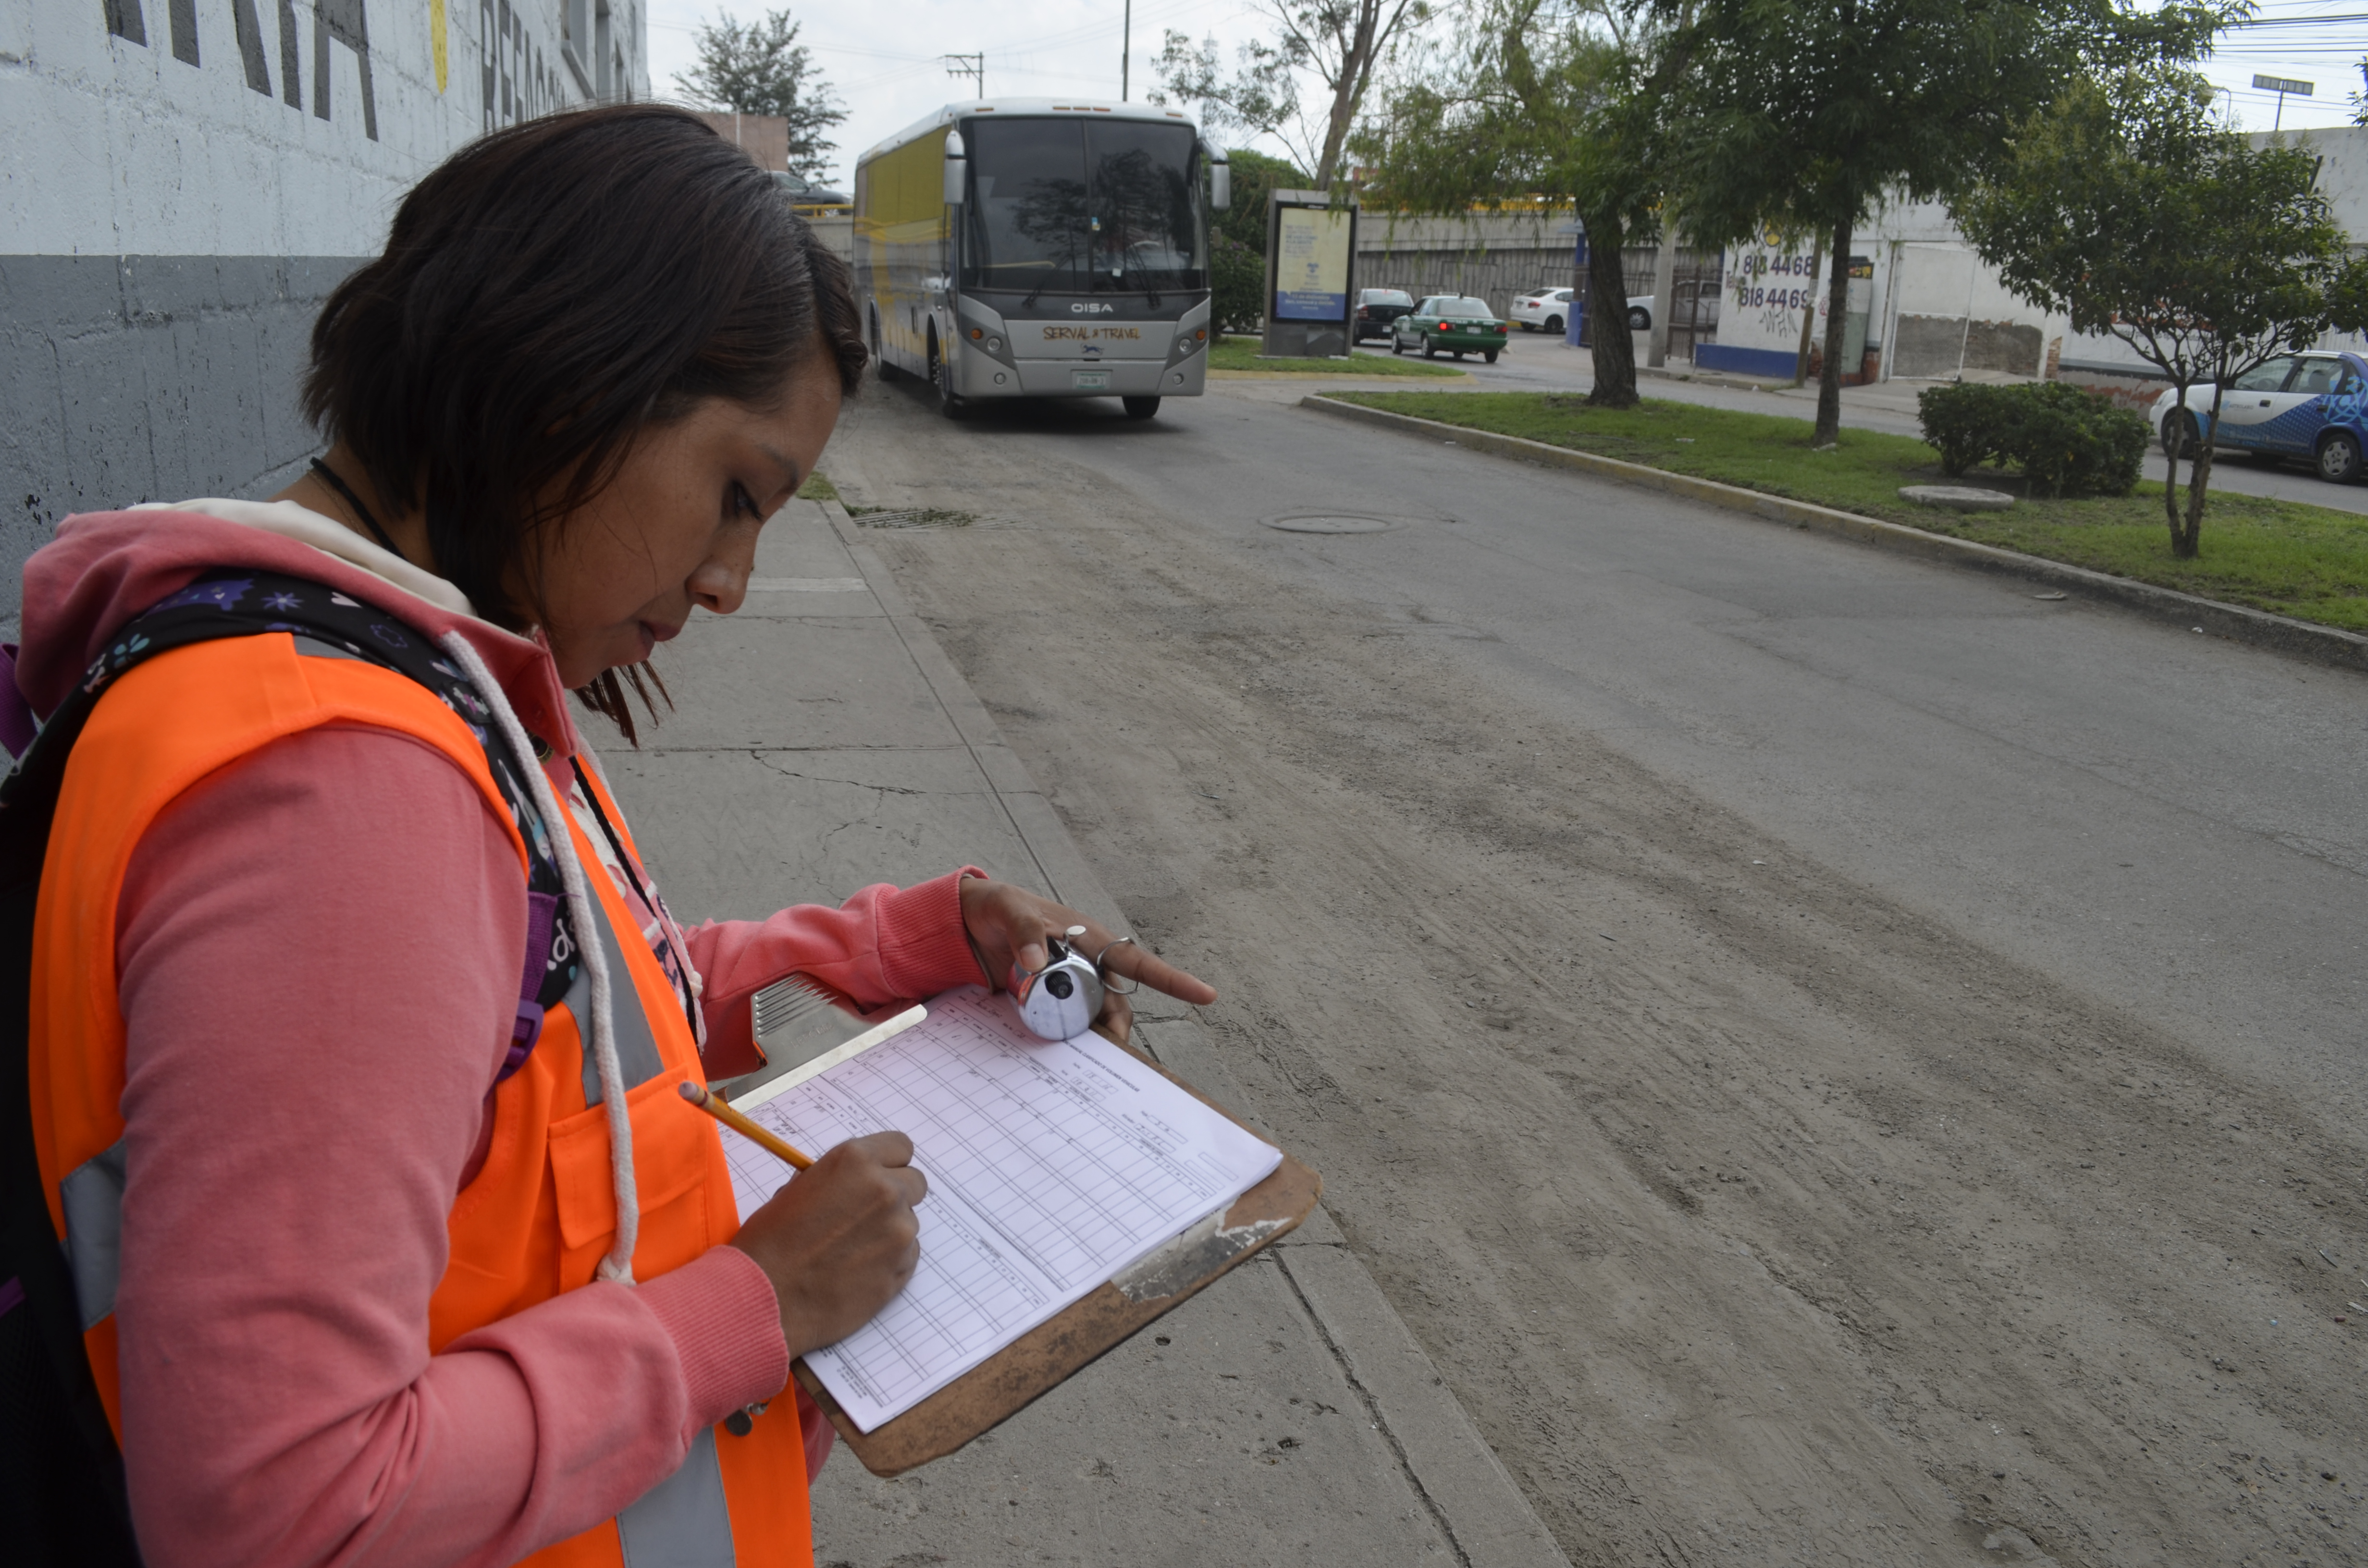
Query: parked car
{"points": [[1454, 323], [1548, 311], [2296, 405], [1376, 308], [1544, 310], [803, 192]]}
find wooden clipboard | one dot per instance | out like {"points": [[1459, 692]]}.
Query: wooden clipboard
{"points": [[1062, 1345]]}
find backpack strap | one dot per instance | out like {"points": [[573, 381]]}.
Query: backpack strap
{"points": [[63, 1498], [247, 603]]}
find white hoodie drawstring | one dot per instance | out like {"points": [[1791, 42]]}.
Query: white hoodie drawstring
{"points": [[619, 1265]]}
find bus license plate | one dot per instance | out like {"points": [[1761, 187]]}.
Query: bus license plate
{"points": [[1089, 380]]}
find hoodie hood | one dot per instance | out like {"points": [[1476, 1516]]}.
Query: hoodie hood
{"points": [[105, 568]]}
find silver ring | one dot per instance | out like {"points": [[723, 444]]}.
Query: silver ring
{"points": [[1109, 980]]}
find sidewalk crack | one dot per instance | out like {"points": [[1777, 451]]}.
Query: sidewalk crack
{"points": [[1373, 1410], [850, 783]]}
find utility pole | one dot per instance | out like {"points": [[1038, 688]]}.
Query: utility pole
{"points": [[1125, 50], [971, 65]]}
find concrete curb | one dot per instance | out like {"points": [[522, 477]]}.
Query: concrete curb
{"points": [[2276, 633], [1459, 1479], [1368, 380]]}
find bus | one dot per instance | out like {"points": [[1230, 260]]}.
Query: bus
{"points": [[1021, 247]]}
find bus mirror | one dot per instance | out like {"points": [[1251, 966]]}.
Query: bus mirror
{"points": [[955, 163], [1221, 185]]}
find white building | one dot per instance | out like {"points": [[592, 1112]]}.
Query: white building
{"points": [[182, 182], [1933, 310]]}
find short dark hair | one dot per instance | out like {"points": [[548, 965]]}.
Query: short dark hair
{"points": [[549, 291]]}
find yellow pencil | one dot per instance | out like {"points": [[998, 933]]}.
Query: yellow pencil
{"points": [[697, 1095]]}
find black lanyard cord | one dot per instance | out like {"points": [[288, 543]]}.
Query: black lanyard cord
{"points": [[342, 488]]}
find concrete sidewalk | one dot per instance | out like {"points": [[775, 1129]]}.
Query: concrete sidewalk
{"points": [[825, 741]]}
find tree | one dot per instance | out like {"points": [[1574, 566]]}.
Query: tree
{"points": [[1340, 42], [1804, 115], [1558, 98], [1237, 240], [761, 68], [2127, 207]]}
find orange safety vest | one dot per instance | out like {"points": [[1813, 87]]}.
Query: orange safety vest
{"points": [[540, 1214]]}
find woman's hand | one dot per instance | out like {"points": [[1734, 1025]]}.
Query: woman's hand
{"points": [[840, 1239], [1008, 924]]}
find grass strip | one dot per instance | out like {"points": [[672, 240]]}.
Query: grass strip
{"points": [[2307, 562], [817, 488], [1242, 354]]}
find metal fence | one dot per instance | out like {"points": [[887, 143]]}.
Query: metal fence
{"points": [[1500, 274]]}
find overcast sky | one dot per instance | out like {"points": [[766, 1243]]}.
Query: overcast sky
{"points": [[883, 57]]}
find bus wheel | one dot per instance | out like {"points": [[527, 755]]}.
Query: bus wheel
{"points": [[950, 405], [1140, 408]]}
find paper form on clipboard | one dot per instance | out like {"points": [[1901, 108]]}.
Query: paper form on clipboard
{"points": [[1050, 1167]]}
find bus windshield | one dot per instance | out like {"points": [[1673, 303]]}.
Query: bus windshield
{"points": [[1075, 207]]}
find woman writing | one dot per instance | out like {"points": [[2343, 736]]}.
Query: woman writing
{"points": [[392, 1245]]}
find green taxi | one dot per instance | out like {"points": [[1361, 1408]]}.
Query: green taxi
{"points": [[1450, 323]]}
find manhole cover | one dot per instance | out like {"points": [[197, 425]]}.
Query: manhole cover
{"points": [[1333, 523], [911, 518]]}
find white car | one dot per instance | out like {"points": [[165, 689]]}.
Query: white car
{"points": [[1548, 310]]}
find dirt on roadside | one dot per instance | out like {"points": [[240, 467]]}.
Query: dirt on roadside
{"points": [[1753, 1218]]}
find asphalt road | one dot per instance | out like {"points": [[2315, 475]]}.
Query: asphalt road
{"points": [[1532, 362], [1837, 1059]]}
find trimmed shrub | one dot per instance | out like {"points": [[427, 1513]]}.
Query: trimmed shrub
{"points": [[1965, 422], [2070, 442], [2066, 441]]}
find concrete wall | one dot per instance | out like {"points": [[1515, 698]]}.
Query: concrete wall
{"points": [[764, 137], [182, 182], [837, 231]]}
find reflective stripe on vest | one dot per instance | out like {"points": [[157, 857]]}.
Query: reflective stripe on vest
{"points": [[92, 1200], [542, 1211], [682, 1522]]}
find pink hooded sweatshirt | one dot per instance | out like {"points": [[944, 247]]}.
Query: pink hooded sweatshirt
{"points": [[339, 918]]}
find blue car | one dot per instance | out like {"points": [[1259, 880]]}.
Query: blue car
{"points": [[2297, 406]]}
